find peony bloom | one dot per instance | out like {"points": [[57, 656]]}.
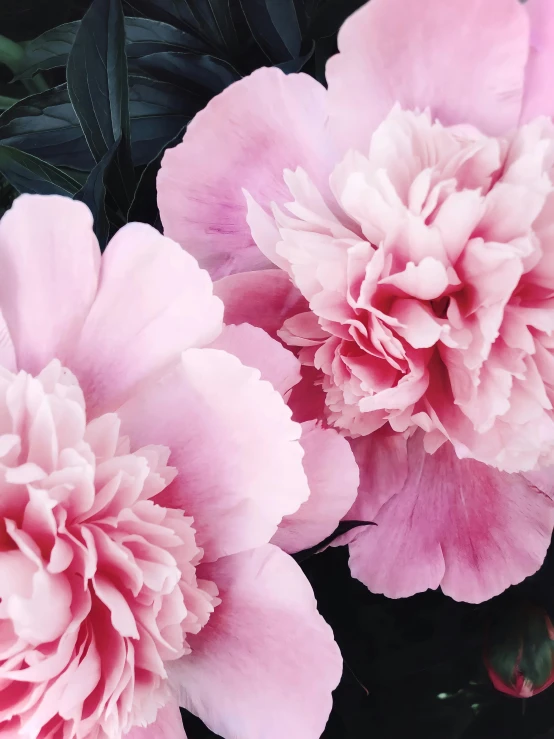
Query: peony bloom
{"points": [[397, 231], [144, 472]]}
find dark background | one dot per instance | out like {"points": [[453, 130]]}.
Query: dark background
{"points": [[413, 667]]}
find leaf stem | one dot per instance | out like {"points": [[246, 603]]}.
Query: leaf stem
{"points": [[7, 102], [12, 54]]}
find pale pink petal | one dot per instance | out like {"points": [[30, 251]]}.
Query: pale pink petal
{"points": [[464, 59], [538, 98], [333, 478], [265, 664], [265, 298], [153, 302], [49, 261], [257, 349], [168, 725], [237, 480], [457, 524], [242, 140]]}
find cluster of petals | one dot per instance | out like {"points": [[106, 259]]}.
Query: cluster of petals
{"points": [[151, 476], [396, 230]]}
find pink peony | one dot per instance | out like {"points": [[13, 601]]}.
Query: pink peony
{"points": [[144, 471], [397, 231]]}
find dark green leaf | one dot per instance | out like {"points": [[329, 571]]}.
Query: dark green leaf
{"points": [[93, 194], [296, 65], [277, 26], [171, 11], [214, 18], [99, 90], [28, 174], [143, 36], [144, 207], [209, 20], [49, 50], [146, 36], [203, 76], [159, 111], [46, 125], [7, 195], [97, 76]]}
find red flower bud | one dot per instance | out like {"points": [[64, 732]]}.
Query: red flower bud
{"points": [[519, 654]]}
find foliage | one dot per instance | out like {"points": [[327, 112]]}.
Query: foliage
{"points": [[126, 80]]}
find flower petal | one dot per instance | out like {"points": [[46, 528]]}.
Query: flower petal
{"points": [[457, 523], [153, 302], [49, 261], [265, 298], [233, 443], [333, 478], [538, 97], [243, 139], [257, 349], [168, 725], [464, 59], [266, 662]]}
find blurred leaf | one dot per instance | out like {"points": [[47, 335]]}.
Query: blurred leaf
{"points": [[48, 50], [203, 75], [28, 174], [277, 26]]}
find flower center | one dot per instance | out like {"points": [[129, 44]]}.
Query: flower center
{"points": [[98, 583]]}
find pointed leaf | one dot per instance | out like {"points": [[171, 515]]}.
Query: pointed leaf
{"points": [[203, 75], [277, 26], [28, 174], [142, 36], [46, 125], [93, 194], [99, 90], [146, 36], [48, 51]]}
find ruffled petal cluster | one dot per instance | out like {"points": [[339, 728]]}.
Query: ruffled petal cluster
{"points": [[396, 230], [144, 471]]}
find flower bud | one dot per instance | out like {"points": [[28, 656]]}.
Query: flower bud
{"points": [[519, 654]]}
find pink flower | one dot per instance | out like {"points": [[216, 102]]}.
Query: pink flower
{"points": [[401, 225], [143, 473]]}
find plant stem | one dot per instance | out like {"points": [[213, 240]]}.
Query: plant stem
{"points": [[11, 54], [6, 102]]}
